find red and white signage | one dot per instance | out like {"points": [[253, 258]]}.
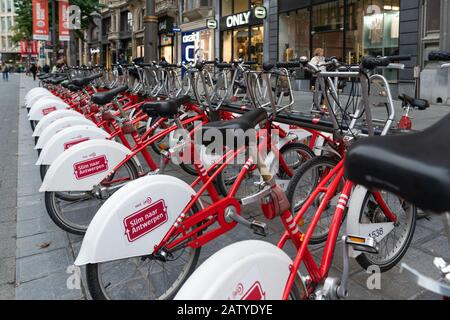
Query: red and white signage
{"points": [[255, 293], [69, 144], [145, 220], [40, 20], [46, 111], [23, 47], [87, 168], [64, 34]]}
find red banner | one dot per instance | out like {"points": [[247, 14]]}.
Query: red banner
{"points": [[64, 20], [29, 47], [23, 47], [33, 47], [40, 20]]}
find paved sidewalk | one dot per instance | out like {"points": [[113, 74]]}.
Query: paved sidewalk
{"points": [[44, 253]]}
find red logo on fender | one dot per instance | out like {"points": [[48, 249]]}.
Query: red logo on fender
{"points": [[69, 144], [145, 220], [90, 167], [255, 293], [46, 111]]}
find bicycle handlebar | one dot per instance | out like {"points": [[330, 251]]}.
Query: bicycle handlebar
{"points": [[439, 56], [370, 62]]}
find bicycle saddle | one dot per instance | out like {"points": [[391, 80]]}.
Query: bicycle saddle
{"points": [[414, 166], [165, 108], [58, 80], [420, 104], [248, 120], [102, 98], [82, 82]]}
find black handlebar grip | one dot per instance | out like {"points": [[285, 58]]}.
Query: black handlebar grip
{"points": [[209, 62], [288, 65], [224, 65], [250, 63], [267, 66], [439, 56], [370, 62]]}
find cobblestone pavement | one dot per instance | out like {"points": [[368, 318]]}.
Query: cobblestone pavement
{"points": [[35, 255]]}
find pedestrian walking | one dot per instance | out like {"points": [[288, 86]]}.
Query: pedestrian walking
{"points": [[34, 71], [5, 71], [318, 60]]}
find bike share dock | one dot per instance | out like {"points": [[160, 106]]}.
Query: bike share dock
{"points": [[36, 256]]}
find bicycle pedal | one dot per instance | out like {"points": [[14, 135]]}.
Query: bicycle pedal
{"points": [[259, 228], [363, 244]]}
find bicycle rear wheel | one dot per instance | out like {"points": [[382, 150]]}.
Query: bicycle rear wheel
{"points": [[152, 277], [394, 246]]}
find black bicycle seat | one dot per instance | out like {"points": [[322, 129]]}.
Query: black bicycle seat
{"points": [[82, 82], [415, 166], [102, 98], [420, 104], [165, 108], [235, 128]]}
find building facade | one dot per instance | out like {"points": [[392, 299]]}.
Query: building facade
{"points": [[284, 30], [8, 50]]}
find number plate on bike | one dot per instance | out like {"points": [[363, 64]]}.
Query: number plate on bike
{"points": [[145, 220]]}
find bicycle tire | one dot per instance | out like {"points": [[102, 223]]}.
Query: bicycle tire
{"points": [[364, 258], [58, 218], [293, 185]]}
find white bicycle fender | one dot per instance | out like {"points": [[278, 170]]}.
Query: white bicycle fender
{"points": [[134, 219], [60, 125], [66, 139], [84, 166], [52, 117], [45, 106], [247, 270], [35, 92], [38, 96], [353, 227]]}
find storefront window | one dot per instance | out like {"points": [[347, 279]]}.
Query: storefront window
{"points": [[139, 47], [294, 35], [240, 43], [433, 9], [227, 7], [257, 44], [240, 6], [328, 28], [346, 29], [166, 48], [227, 54], [230, 7], [243, 35], [197, 45]]}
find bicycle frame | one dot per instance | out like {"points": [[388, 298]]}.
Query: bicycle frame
{"points": [[318, 273]]}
